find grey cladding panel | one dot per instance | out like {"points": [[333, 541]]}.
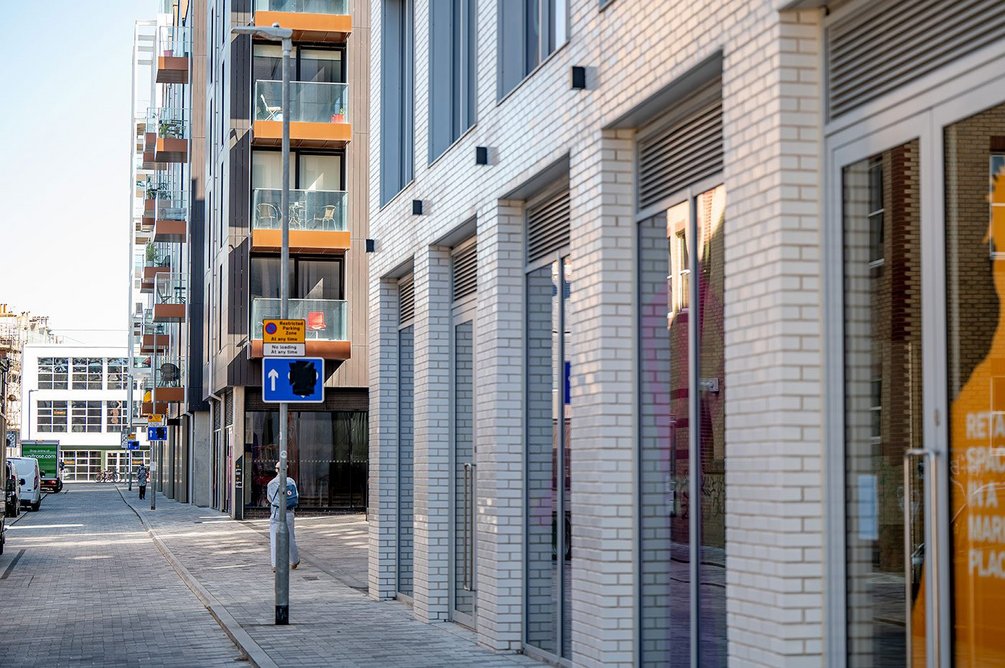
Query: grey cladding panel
{"points": [[548, 226], [683, 153], [889, 44]]}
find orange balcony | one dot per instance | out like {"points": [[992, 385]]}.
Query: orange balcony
{"points": [[171, 216], [172, 136], [170, 296], [318, 117], [318, 221], [174, 47], [326, 321], [311, 20]]}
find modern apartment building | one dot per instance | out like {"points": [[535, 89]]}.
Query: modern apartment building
{"points": [[166, 240], [78, 395], [686, 328], [212, 224]]}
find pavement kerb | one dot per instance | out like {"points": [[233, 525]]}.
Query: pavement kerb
{"points": [[249, 648]]}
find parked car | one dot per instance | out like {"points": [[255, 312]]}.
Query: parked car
{"points": [[30, 477], [12, 491]]}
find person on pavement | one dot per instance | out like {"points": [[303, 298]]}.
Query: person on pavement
{"points": [[276, 501], [141, 480]]}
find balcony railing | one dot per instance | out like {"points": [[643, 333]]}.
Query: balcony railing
{"points": [[310, 101], [303, 6], [172, 123], [172, 205], [322, 210], [174, 41], [170, 371], [326, 319], [171, 288]]}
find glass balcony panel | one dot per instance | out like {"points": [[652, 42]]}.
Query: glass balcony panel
{"points": [[310, 101], [171, 288], [303, 6], [323, 210], [326, 319], [174, 41], [158, 254], [172, 205], [172, 123], [170, 371]]}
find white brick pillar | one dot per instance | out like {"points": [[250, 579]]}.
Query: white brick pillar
{"points": [[383, 506], [499, 425], [432, 434], [604, 431], [774, 445]]}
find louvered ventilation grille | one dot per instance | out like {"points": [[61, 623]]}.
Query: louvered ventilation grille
{"points": [[406, 300], [687, 151], [229, 403], [548, 226], [891, 43], [465, 272]]}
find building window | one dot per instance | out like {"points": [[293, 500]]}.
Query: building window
{"points": [[52, 373], [396, 90], [452, 82], [118, 373], [51, 416], [876, 210], [85, 416], [87, 373], [529, 32], [115, 415]]}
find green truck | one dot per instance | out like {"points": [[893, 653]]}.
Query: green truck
{"points": [[47, 454]]}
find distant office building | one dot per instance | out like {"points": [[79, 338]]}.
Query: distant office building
{"points": [[686, 328], [78, 395]]}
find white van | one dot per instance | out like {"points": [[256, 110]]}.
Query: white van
{"points": [[31, 481]]}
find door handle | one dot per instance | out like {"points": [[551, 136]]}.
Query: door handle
{"points": [[930, 553]]}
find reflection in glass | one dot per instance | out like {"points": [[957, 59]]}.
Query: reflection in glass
{"points": [[406, 463], [710, 210], [975, 285], [464, 473], [883, 393]]}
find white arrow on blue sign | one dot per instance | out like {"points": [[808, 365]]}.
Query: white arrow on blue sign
{"points": [[293, 380]]}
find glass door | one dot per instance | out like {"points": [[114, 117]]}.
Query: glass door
{"points": [[923, 279], [464, 464]]}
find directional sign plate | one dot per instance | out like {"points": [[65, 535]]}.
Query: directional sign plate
{"points": [[293, 380], [157, 433], [283, 331], [284, 349], [132, 445]]}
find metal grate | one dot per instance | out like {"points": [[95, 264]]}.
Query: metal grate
{"points": [[683, 153], [406, 299], [548, 226], [889, 44], [229, 408], [465, 266]]}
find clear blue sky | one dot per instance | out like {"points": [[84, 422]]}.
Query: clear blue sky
{"points": [[65, 69]]}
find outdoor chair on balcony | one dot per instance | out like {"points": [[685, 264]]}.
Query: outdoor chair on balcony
{"points": [[297, 211], [316, 323], [326, 221], [170, 374], [272, 113], [268, 215]]}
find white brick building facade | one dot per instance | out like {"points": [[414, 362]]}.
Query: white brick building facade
{"points": [[643, 61]]}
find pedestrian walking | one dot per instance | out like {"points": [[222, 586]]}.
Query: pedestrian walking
{"points": [[141, 480], [276, 504]]}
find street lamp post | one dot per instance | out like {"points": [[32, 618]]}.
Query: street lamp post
{"points": [[282, 584]]}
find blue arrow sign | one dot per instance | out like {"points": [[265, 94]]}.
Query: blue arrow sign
{"points": [[132, 445], [293, 380], [157, 433]]}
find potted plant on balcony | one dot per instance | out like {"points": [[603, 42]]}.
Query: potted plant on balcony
{"points": [[339, 115], [151, 253]]}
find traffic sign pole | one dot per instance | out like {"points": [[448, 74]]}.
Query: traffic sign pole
{"points": [[153, 410], [283, 533]]}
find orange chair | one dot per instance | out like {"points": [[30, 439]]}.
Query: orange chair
{"points": [[316, 322]]}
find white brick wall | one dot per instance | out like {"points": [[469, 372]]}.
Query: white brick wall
{"points": [[771, 95]]}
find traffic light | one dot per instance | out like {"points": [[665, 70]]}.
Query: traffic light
{"points": [[303, 377]]}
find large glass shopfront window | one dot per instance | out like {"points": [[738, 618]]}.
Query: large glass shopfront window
{"points": [[328, 457], [682, 432]]}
